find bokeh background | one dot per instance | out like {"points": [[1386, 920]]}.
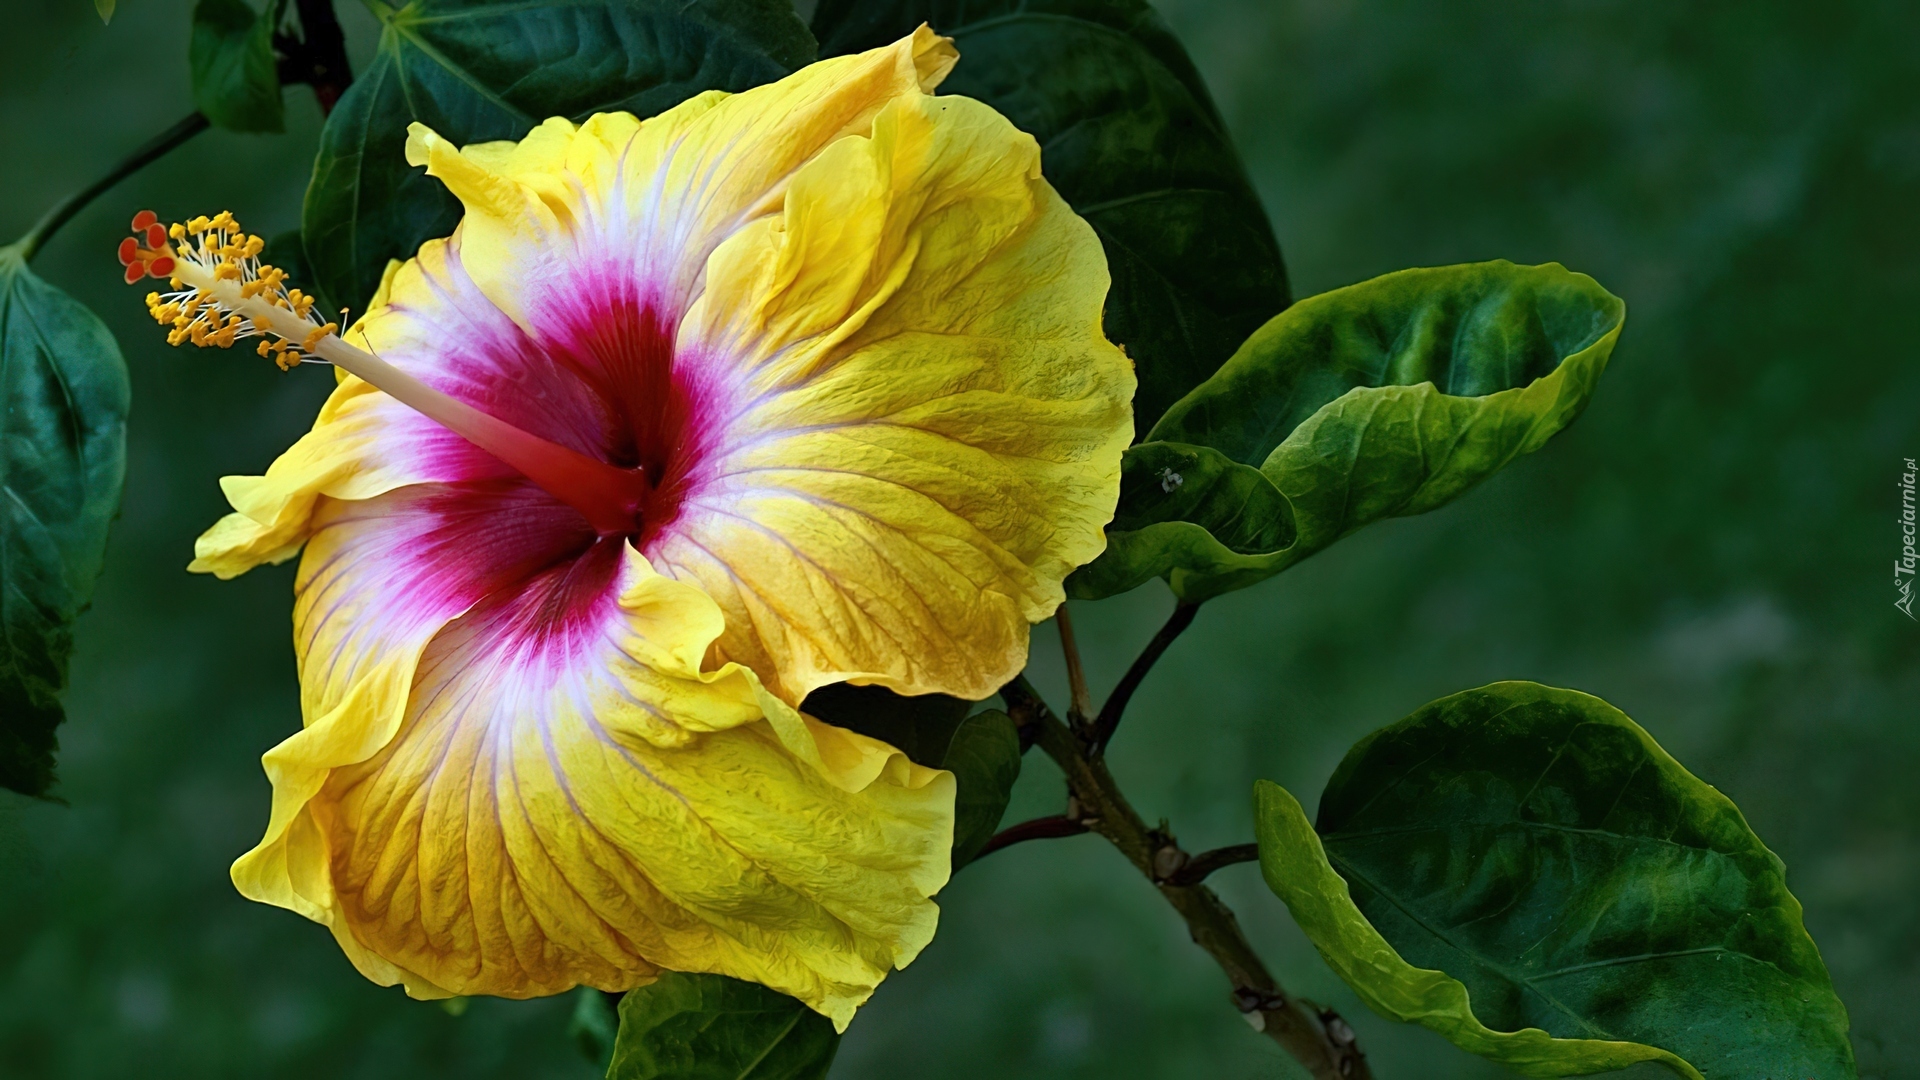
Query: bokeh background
{"points": [[1709, 547]]}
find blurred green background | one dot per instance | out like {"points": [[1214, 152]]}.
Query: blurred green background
{"points": [[1709, 547]]}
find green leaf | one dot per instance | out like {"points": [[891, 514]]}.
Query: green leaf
{"points": [[594, 1025], [62, 460], [476, 72], [1132, 140], [285, 251], [1383, 399], [982, 751], [984, 758], [710, 1027], [1534, 852], [921, 726], [236, 80], [105, 9]]}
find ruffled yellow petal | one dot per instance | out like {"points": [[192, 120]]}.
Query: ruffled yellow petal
{"points": [[934, 421], [663, 192], [357, 449], [493, 825]]}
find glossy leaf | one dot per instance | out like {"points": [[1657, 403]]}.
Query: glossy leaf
{"points": [[1383, 399], [62, 461], [921, 726], [984, 758], [1132, 140], [594, 1025], [1533, 854], [476, 71], [710, 1027], [236, 80]]}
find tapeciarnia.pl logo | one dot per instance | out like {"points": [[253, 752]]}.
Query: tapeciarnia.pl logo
{"points": [[1905, 563]]}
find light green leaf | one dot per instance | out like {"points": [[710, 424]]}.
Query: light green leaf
{"points": [[984, 758], [1525, 871], [1131, 139], [105, 9], [236, 80], [1383, 399], [476, 72], [62, 461], [710, 1027]]}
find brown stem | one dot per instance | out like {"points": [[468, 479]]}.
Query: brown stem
{"points": [[1079, 702], [318, 57], [1116, 706], [1046, 828], [1196, 869], [1317, 1038]]}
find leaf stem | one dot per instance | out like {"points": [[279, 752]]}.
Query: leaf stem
{"points": [[318, 57], [1079, 702], [1046, 828], [1116, 706], [64, 211], [1197, 868], [1317, 1038]]}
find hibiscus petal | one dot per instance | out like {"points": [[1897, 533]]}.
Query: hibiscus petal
{"points": [[584, 805], [621, 207], [928, 421]]}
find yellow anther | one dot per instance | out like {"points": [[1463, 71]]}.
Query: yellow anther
{"points": [[254, 246], [198, 225], [223, 221], [314, 338], [178, 232]]}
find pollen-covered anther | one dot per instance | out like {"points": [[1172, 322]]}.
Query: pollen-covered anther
{"points": [[220, 290]]}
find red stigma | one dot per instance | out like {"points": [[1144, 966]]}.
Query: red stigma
{"points": [[161, 267], [129, 252], [156, 236], [146, 219]]}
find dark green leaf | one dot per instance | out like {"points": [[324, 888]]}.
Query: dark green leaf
{"points": [[1383, 399], [476, 72], [236, 81], [1131, 139], [62, 460], [984, 758], [921, 726], [594, 1025], [1548, 861], [710, 1027], [285, 251], [1208, 523]]}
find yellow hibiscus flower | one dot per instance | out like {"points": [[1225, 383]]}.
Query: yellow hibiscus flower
{"points": [[690, 416]]}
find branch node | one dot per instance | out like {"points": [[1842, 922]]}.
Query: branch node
{"points": [[1168, 860]]}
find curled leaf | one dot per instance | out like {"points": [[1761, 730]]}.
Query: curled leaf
{"points": [[1384, 399]]}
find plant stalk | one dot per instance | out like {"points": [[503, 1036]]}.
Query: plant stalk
{"points": [[1079, 702], [1046, 828], [1317, 1038], [318, 57], [1109, 719], [64, 211]]}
